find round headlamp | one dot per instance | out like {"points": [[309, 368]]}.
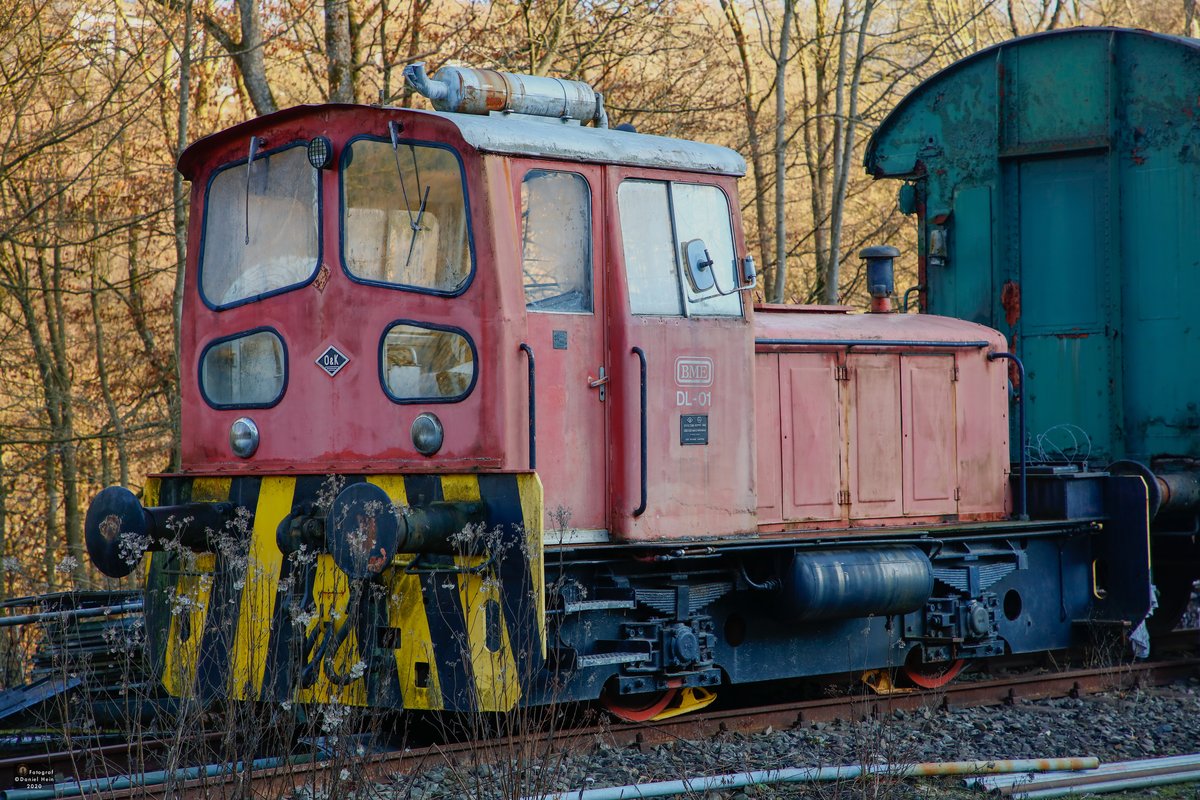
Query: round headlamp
{"points": [[427, 434], [243, 437], [320, 152]]}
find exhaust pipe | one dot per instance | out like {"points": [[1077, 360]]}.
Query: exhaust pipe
{"points": [[462, 90], [881, 282]]}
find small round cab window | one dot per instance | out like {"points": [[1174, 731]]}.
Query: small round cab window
{"points": [[260, 231], [405, 216], [247, 371], [426, 364]]}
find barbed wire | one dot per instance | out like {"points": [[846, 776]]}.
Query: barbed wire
{"points": [[1062, 443]]}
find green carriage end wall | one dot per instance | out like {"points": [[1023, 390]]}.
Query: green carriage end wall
{"points": [[1064, 168]]}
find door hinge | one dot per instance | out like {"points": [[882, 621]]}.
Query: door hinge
{"points": [[843, 497], [841, 373], [957, 493], [954, 373]]}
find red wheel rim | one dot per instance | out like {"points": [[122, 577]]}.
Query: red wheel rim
{"points": [[642, 713], [934, 679]]}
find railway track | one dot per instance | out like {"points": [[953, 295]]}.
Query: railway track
{"points": [[273, 778]]}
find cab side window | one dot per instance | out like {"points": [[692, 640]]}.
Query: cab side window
{"points": [[702, 213], [659, 221], [650, 266], [556, 242]]}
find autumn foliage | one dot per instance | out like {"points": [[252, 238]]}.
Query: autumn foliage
{"points": [[97, 98]]}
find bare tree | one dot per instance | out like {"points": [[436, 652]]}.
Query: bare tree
{"points": [[752, 107], [781, 61], [845, 129], [1024, 17], [339, 53], [247, 52]]}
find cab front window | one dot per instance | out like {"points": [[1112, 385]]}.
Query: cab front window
{"points": [[260, 228], [404, 216], [246, 370], [420, 362]]}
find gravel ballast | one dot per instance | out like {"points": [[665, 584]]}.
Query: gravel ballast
{"points": [[1112, 727]]}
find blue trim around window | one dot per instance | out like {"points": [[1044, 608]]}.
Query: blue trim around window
{"points": [[432, 327], [230, 338], [343, 162], [204, 230]]}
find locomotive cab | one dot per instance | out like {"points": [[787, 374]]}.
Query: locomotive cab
{"points": [[396, 290]]}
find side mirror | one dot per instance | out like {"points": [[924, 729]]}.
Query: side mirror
{"points": [[699, 266]]}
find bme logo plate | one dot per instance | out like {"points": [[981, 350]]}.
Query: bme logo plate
{"points": [[693, 371]]}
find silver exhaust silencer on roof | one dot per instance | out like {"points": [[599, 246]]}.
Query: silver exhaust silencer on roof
{"points": [[464, 90]]}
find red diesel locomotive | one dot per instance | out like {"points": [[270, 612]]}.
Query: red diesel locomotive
{"points": [[477, 411]]}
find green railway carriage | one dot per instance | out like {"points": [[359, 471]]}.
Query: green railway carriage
{"points": [[1056, 180]]}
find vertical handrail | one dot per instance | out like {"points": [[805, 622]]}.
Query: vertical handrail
{"points": [[1022, 497], [637, 512], [532, 406]]}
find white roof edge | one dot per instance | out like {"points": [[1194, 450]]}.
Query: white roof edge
{"points": [[513, 135]]}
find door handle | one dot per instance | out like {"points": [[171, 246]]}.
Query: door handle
{"points": [[598, 383]]}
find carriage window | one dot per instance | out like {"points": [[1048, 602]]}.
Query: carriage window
{"points": [[426, 364], [245, 371], [404, 216], [262, 237], [556, 241], [659, 220]]}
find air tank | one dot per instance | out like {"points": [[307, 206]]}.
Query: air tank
{"points": [[464, 90], [855, 582]]}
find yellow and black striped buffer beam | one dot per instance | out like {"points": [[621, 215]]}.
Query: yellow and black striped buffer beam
{"points": [[261, 617]]}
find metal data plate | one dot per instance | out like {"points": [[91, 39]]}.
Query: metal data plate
{"points": [[693, 429]]}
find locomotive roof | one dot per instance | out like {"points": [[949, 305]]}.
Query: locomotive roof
{"points": [[537, 137], [517, 135], [782, 324]]}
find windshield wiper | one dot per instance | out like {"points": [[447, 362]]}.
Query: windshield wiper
{"points": [[413, 222], [416, 226], [254, 143], [394, 130]]}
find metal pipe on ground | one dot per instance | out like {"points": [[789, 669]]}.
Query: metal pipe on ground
{"points": [[1117, 784], [1104, 771], [817, 774]]}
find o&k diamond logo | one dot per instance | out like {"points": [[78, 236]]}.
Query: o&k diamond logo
{"points": [[332, 360]]}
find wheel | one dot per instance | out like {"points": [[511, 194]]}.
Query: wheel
{"points": [[933, 676], [638, 708]]}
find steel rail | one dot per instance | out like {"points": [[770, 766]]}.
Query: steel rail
{"points": [[281, 780]]}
